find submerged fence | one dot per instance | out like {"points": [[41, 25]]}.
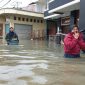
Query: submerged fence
{"points": [[57, 38]]}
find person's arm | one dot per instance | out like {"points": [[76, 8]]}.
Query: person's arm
{"points": [[81, 41], [16, 36], [7, 37], [70, 42], [82, 44]]}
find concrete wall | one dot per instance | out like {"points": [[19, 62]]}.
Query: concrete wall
{"points": [[2, 21], [82, 15], [38, 27]]}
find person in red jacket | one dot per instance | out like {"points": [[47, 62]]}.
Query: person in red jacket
{"points": [[73, 43]]}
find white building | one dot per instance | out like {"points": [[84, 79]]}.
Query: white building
{"points": [[28, 22]]}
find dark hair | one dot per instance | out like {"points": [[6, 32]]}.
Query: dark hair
{"points": [[11, 27], [75, 26]]}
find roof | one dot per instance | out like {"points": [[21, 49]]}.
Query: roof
{"points": [[21, 12]]}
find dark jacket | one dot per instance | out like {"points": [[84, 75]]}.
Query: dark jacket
{"points": [[11, 35]]}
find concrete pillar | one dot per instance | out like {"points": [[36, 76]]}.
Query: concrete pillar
{"points": [[58, 36], [59, 24], [82, 19], [73, 18], [4, 33], [47, 30], [82, 15]]}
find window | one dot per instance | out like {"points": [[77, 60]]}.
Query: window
{"points": [[19, 18], [23, 19], [30, 20], [41, 21], [14, 18], [27, 19], [37, 21], [34, 20]]}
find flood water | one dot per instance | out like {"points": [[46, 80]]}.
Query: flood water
{"points": [[39, 63]]}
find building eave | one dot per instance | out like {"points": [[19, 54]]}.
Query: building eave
{"points": [[52, 16], [65, 6], [21, 12]]}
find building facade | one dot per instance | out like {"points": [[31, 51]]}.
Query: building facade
{"points": [[28, 25], [62, 14], [28, 22], [38, 6]]}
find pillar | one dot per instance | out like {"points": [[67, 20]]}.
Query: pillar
{"points": [[82, 15], [73, 18]]}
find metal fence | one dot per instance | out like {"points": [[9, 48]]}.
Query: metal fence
{"points": [[57, 38]]}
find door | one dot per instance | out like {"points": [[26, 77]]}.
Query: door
{"points": [[23, 31], [7, 28]]}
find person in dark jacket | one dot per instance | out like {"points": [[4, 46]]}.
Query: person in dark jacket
{"points": [[73, 43], [11, 36]]}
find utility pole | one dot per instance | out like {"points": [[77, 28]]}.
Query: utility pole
{"points": [[16, 4]]}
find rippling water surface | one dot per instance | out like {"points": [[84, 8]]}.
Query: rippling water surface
{"points": [[39, 63]]}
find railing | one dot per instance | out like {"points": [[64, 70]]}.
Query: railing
{"points": [[57, 38], [37, 34]]}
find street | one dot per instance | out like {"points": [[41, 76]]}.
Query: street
{"points": [[39, 63]]}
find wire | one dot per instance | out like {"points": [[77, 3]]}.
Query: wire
{"points": [[5, 4], [1, 1]]}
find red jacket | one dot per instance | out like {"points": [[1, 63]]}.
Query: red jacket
{"points": [[72, 45]]}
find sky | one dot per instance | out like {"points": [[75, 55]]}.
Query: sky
{"points": [[12, 3]]}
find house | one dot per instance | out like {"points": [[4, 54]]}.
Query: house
{"points": [[27, 23], [61, 15]]}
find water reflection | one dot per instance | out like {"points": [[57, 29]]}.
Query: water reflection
{"points": [[39, 79], [39, 63]]}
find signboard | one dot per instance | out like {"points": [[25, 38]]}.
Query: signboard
{"points": [[65, 21]]}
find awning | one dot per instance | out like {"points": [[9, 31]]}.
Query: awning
{"points": [[52, 16], [74, 5]]}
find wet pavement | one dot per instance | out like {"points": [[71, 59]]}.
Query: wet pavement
{"points": [[39, 63]]}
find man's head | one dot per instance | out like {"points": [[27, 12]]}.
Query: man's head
{"points": [[11, 29], [75, 29]]}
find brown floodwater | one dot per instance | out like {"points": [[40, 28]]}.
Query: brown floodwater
{"points": [[39, 63]]}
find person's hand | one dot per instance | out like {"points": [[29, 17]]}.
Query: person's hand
{"points": [[76, 35], [62, 42]]}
